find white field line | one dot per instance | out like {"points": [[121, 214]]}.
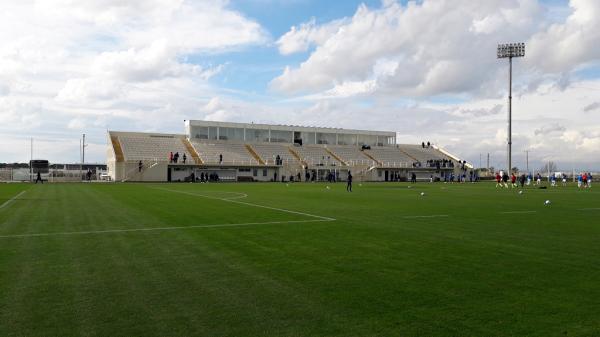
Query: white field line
{"points": [[248, 204], [7, 202], [518, 212], [148, 229], [590, 209], [426, 216]]}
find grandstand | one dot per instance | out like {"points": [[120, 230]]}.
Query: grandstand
{"points": [[249, 152]]}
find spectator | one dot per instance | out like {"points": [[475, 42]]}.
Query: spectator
{"points": [[184, 158], [140, 165], [220, 158], [349, 185], [171, 157]]}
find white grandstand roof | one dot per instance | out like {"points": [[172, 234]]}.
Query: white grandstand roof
{"points": [[289, 128]]}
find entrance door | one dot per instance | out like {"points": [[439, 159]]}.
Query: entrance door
{"points": [[387, 175], [169, 174]]}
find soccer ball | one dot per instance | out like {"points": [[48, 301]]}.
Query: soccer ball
{"points": [[327, 187], [287, 185], [360, 185], [547, 202], [422, 194], [520, 192], [409, 186]]}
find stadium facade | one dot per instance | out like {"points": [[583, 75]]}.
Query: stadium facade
{"points": [[263, 152]]}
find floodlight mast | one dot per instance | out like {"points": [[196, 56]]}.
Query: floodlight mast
{"points": [[510, 50]]}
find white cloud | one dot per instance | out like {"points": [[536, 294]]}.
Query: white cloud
{"points": [[68, 65], [569, 45], [299, 39], [431, 48]]}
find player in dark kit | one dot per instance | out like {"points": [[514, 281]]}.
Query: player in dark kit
{"points": [[349, 186], [39, 178]]}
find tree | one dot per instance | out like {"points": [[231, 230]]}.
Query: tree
{"points": [[549, 167]]}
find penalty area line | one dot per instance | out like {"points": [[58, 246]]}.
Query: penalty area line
{"points": [[149, 229], [247, 204], [518, 212], [426, 216], [9, 201]]}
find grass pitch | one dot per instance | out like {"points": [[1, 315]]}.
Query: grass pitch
{"points": [[298, 260]]}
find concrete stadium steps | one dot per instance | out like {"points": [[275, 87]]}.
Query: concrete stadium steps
{"points": [[254, 154], [233, 153], [292, 150], [351, 155], [315, 155], [422, 154], [269, 151], [335, 156], [119, 156], [390, 156], [152, 147], [192, 151]]}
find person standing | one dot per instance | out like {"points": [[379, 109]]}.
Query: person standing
{"points": [[349, 186], [39, 178], [140, 166], [184, 158], [220, 158]]}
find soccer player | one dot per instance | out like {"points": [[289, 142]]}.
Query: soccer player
{"points": [[498, 178], [553, 180], [39, 178], [505, 179], [590, 179], [538, 179], [585, 182], [349, 186], [513, 180], [579, 180], [564, 179]]}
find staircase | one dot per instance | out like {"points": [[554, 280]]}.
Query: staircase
{"points": [[190, 148], [372, 158], [117, 148], [336, 157], [146, 165], [254, 154], [297, 156]]}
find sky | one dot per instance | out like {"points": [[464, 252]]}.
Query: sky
{"points": [[424, 69]]}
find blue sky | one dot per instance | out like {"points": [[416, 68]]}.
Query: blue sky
{"points": [[422, 69]]}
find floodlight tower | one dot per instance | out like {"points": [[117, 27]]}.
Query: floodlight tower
{"points": [[510, 50]]}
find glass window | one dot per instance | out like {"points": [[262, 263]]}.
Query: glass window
{"points": [[307, 137], [346, 139], [257, 135], [325, 138], [200, 132], [212, 132], [367, 140], [231, 133], [281, 136]]}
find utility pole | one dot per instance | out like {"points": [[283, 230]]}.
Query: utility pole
{"points": [[488, 161], [509, 51], [31, 160], [527, 159], [83, 150]]}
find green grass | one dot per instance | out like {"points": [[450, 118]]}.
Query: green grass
{"points": [[76, 259]]}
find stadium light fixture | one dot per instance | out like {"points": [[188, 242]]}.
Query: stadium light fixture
{"points": [[510, 50]]}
